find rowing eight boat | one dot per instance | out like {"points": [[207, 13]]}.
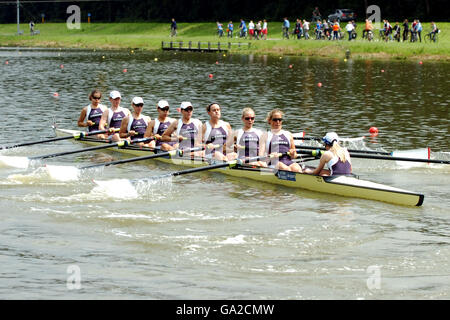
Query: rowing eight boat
{"points": [[349, 186]]}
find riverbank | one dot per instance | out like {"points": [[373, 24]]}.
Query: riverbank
{"points": [[148, 36]]}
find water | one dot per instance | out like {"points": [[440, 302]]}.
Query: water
{"points": [[209, 236]]}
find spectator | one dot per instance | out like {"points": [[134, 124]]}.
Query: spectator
{"points": [[31, 24], [219, 29], [258, 30], [230, 29], [413, 31], [419, 30], [173, 28], [387, 30], [286, 26], [434, 30], [336, 28], [251, 29], [397, 32], [316, 14], [243, 29], [318, 29], [264, 29], [326, 29], [306, 29], [368, 27], [298, 28], [349, 27], [405, 30]]}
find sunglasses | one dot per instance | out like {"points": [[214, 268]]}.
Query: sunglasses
{"points": [[188, 109], [139, 105], [164, 109], [249, 118], [96, 98], [277, 119]]}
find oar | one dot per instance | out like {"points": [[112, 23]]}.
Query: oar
{"points": [[23, 162], [153, 156], [229, 164], [77, 136], [318, 152], [350, 150]]}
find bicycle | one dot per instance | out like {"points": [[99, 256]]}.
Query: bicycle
{"points": [[431, 37]]}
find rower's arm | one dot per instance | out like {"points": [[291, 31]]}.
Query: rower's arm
{"points": [[323, 160], [103, 120], [81, 122], [262, 145], [123, 133], [149, 131], [167, 135]]}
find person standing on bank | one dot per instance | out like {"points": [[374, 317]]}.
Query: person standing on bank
{"points": [[112, 117], [134, 126], [335, 157], [93, 113]]}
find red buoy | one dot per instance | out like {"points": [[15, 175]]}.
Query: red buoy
{"points": [[373, 130], [319, 84], [125, 70], [210, 75]]}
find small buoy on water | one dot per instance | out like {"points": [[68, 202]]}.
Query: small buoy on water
{"points": [[224, 55], [6, 62], [125, 70], [345, 60], [61, 66], [319, 84], [156, 59], [290, 66], [373, 130], [420, 62], [103, 57], [217, 62], [382, 70], [210, 76], [55, 94], [132, 51]]}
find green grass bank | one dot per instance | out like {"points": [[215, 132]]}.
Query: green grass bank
{"points": [[148, 36]]}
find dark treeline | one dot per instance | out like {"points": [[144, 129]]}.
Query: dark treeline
{"points": [[213, 10]]}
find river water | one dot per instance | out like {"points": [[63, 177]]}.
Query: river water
{"points": [[209, 236]]}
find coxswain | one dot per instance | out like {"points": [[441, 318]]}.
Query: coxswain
{"points": [[336, 158]]}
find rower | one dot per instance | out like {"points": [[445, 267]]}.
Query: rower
{"points": [[158, 125], [92, 113], [277, 140], [247, 139], [134, 126], [112, 117], [215, 133], [335, 157], [185, 132]]}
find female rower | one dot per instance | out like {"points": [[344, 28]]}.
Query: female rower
{"points": [[112, 117], [247, 139], [215, 133], [134, 126], [92, 113], [186, 132], [158, 125], [335, 157], [277, 140]]}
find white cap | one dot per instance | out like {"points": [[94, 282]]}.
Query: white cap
{"points": [[162, 104], [137, 100], [114, 94], [186, 104], [330, 137]]}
